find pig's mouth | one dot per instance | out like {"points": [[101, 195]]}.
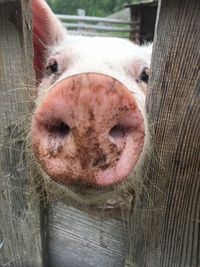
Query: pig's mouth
{"points": [[88, 133], [87, 189]]}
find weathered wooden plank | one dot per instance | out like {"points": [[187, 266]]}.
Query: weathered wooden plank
{"points": [[77, 239], [6, 1], [93, 19], [20, 238], [96, 27], [165, 225]]}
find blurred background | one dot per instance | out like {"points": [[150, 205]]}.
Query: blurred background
{"points": [[100, 8], [131, 19]]}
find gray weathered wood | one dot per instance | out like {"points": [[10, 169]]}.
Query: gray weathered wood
{"points": [[93, 19], [6, 1], [97, 27], [77, 239], [20, 237], [165, 225], [93, 33]]}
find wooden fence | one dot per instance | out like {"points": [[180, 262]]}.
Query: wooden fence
{"points": [[20, 225], [162, 229], [97, 26]]}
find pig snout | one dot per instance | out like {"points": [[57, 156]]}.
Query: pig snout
{"points": [[89, 130]]}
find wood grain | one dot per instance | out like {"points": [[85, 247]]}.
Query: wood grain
{"points": [[78, 239], [165, 225], [20, 237]]}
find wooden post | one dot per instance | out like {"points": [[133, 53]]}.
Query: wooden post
{"points": [[165, 224], [81, 13], [20, 226]]}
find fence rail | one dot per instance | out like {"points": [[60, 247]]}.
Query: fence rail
{"points": [[94, 19], [97, 26]]}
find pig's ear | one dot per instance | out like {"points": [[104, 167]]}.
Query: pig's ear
{"points": [[47, 31]]}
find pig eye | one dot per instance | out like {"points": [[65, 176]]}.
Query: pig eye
{"points": [[53, 67], [144, 76]]}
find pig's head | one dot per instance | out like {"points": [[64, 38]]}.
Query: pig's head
{"points": [[89, 128]]}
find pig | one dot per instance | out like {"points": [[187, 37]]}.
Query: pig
{"points": [[89, 130]]}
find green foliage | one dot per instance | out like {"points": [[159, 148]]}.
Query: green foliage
{"points": [[99, 8]]}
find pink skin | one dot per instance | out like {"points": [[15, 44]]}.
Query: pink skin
{"points": [[88, 129], [46, 31]]}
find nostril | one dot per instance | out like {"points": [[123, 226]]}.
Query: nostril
{"points": [[117, 132], [60, 129]]}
